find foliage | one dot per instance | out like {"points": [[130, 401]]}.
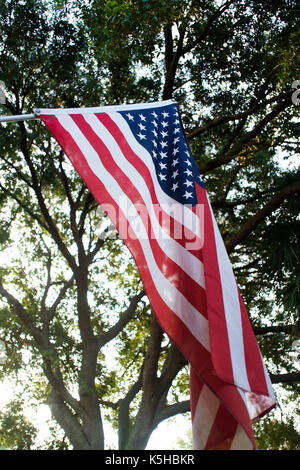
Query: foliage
{"points": [[185, 442], [272, 434], [72, 299], [17, 433]]}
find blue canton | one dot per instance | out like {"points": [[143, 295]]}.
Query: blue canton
{"points": [[160, 132]]}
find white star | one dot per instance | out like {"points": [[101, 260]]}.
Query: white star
{"points": [[176, 130], [154, 154], [164, 144], [174, 187], [162, 177], [164, 134], [154, 132], [142, 117], [141, 136], [154, 114], [163, 166], [188, 183], [188, 162], [141, 126], [176, 150], [163, 154], [176, 121], [176, 140], [154, 143], [187, 195], [165, 114], [175, 174], [130, 117], [175, 162], [154, 123], [188, 172], [164, 123]]}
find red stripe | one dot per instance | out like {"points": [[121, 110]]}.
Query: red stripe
{"points": [[172, 271], [175, 227], [214, 297], [222, 432], [196, 386], [253, 360]]}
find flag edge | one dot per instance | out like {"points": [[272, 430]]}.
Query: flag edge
{"points": [[105, 108]]}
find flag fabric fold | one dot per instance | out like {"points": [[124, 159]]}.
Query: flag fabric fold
{"points": [[136, 162]]}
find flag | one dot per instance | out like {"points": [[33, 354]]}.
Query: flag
{"points": [[136, 161]]}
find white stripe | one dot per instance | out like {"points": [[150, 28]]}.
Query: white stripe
{"points": [[204, 417], [174, 250], [188, 218], [232, 312], [268, 382], [244, 398], [241, 440], [104, 109], [193, 319]]}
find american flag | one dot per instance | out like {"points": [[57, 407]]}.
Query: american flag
{"points": [[136, 161]]}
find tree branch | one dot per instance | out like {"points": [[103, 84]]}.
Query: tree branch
{"points": [[225, 155], [41, 341], [124, 404], [171, 410], [223, 204], [263, 330], [54, 376], [124, 319], [67, 421], [36, 333], [51, 311], [169, 52], [18, 172], [235, 117], [25, 208], [188, 48], [64, 180], [51, 227], [171, 59], [152, 357], [285, 378], [174, 362], [84, 212], [99, 243], [255, 220]]}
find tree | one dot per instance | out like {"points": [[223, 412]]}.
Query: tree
{"points": [[16, 431], [71, 295], [273, 435]]}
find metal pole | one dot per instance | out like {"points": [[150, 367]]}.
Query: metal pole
{"points": [[20, 117]]}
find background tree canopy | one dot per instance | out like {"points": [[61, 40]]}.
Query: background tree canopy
{"points": [[74, 318]]}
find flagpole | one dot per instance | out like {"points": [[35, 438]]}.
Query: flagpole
{"points": [[19, 117]]}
